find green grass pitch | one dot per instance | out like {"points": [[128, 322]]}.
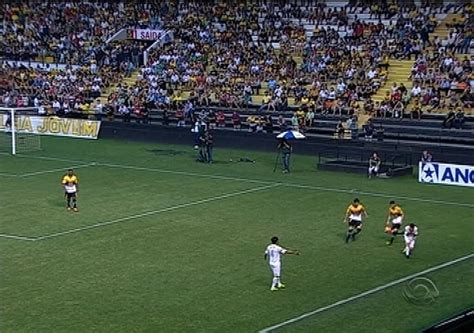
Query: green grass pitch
{"points": [[165, 244]]}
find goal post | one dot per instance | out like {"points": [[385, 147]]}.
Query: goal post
{"points": [[14, 137]]}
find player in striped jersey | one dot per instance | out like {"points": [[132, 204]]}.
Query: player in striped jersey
{"points": [[354, 215], [70, 183], [394, 220]]}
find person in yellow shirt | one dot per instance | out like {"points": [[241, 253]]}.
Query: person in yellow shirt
{"points": [[394, 220], [355, 213], [70, 183]]}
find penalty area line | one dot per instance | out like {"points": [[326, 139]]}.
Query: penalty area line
{"points": [[4, 174], [15, 237], [295, 185], [364, 294], [155, 212], [36, 173]]}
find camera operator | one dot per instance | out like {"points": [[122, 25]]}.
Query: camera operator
{"points": [[286, 149]]}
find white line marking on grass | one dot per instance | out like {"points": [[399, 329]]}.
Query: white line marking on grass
{"points": [[4, 174], [185, 173], [382, 195], [44, 158], [321, 188], [36, 173], [23, 238], [158, 211], [364, 294], [258, 181]]}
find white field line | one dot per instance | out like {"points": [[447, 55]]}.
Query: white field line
{"points": [[258, 181], [364, 294], [36, 173], [44, 158], [23, 238], [4, 174], [311, 187], [155, 212]]}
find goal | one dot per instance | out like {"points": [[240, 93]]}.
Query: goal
{"points": [[16, 131]]}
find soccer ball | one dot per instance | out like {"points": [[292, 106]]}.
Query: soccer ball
{"points": [[387, 229]]}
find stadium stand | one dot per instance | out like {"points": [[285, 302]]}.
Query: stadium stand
{"points": [[317, 65]]}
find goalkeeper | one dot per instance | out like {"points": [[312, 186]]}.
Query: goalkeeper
{"points": [[70, 183]]}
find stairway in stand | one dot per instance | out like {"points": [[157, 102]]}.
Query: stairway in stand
{"points": [[442, 31], [398, 72], [128, 81]]}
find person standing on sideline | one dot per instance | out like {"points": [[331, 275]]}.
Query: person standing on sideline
{"points": [[426, 157], [374, 165], [286, 149], [273, 254], [209, 146], [202, 148]]}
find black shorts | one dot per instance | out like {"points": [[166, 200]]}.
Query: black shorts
{"points": [[70, 195], [395, 226], [355, 223]]}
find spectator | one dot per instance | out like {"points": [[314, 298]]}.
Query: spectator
{"points": [[374, 165], [340, 129], [252, 122], [380, 132], [295, 122], [309, 118], [236, 121], [220, 119], [124, 112], [459, 119], [426, 157], [165, 118], [449, 120], [369, 130], [269, 124], [281, 123]]}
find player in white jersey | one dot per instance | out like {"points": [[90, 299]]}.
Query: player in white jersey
{"points": [[273, 253], [410, 234]]}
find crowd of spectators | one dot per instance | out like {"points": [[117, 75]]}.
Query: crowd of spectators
{"points": [[258, 55], [441, 79], [235, 54], [68, 32], [73, 88]]}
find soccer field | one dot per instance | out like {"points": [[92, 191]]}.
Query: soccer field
{"points": [[165, 244]]}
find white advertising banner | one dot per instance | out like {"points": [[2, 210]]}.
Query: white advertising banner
{"points": [[447, 174], [146, 34], [78, 128]]}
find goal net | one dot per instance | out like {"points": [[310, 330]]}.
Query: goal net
{"points": [[16, 135]]}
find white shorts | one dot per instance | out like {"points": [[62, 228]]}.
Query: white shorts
{"points": [[70, 188], [373, 169], [397, 220], [276, 269], [410, 242]]}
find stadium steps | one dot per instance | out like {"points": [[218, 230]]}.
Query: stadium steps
{"points": [[128, 81], [442, 30], [398, 72]]}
